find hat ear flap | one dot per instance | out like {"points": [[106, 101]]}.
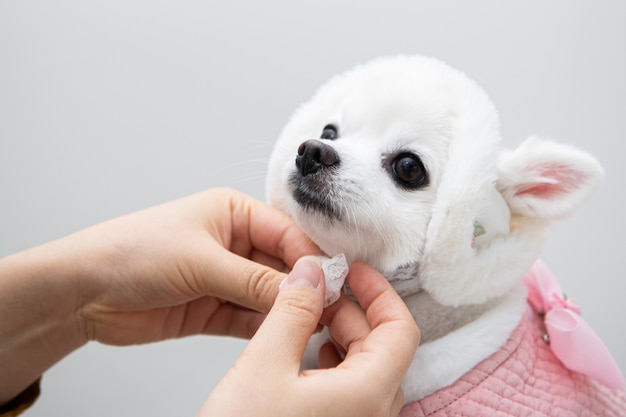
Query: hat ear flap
{"points": [[532, 185], [546, 180]]}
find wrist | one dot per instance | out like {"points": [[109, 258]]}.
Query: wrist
{"points": [[39, 292]]}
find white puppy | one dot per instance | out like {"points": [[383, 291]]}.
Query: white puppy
{"points": [[398, 163]]}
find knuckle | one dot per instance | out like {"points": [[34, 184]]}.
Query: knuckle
{"points": [[262, 286]]}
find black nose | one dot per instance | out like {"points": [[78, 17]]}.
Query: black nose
{"points": [[314, 155]]}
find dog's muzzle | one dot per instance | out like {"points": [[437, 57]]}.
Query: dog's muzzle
{"points": [[312, 183]]}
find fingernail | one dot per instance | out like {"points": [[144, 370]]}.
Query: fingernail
{"points": [[306, 273]]}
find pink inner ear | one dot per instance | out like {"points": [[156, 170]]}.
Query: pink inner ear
{"points": [[555, 180]]}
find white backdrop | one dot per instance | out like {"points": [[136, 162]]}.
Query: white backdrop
{"points": [[107, 107]]}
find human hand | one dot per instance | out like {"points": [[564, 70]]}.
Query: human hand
{"points": [[207, 263], [379, 343]]}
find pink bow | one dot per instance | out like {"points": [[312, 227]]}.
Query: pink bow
{"points": [[571, 339]]}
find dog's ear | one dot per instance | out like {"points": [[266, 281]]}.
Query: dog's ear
{"points": [[546, 180]]}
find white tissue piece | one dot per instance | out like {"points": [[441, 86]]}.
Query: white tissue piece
{"points": [[335, 272]]}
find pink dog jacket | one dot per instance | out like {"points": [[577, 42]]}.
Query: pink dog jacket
{"points": [[524, 378]]}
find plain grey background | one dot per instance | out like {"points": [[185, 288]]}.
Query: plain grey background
{"points": [[107, 107]]}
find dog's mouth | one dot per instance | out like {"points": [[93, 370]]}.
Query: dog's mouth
{"points": [[314, 194]]}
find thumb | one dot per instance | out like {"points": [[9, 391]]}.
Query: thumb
{"points": [[293, 318]]}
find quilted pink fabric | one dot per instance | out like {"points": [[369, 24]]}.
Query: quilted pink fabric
{"points": [[524, 378]]}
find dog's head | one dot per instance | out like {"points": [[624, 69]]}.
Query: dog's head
{"points": [[399, 163]]}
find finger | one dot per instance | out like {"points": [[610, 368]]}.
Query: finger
{"points": [[291, 321], [328, 357], [261, 243], [268, 260], [398, 403], [232, 320], [375, 294], [394, 331], [347, 324], [267, 229], [237, 279]]}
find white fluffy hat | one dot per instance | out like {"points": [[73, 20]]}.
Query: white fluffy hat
{"points": [[493, 205]]}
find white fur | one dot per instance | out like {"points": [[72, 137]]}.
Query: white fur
{"points": [[471, 233]]}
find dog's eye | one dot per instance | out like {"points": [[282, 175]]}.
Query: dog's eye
{"points": [[409, 171], [329, 132]]}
